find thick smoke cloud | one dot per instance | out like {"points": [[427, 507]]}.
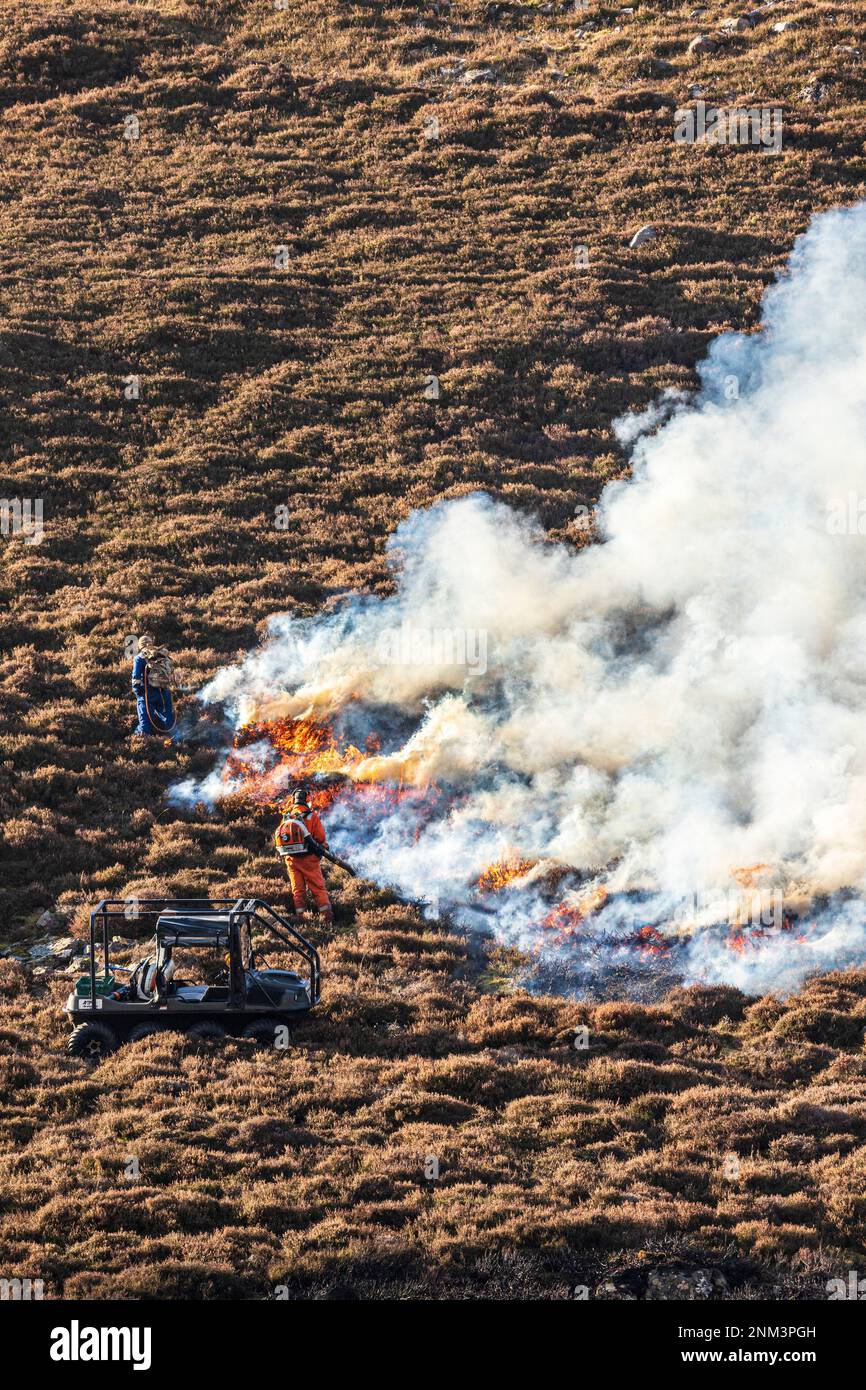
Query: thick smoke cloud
{"points": [[675, 712]]}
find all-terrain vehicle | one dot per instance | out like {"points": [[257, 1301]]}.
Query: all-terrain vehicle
{"points": [[241, 1000]]}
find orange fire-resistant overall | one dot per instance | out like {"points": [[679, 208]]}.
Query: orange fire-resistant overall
{"points": [[305, 870]]}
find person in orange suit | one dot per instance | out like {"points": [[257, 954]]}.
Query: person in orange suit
{"points": [[296, 836]]}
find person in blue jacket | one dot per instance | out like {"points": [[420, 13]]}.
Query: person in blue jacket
{"points": [[152, 673]]}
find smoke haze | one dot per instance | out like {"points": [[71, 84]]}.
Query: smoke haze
{"points": [[675, 715]]}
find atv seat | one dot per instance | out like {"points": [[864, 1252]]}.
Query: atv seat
{"points": [[215, 994], [181, 921], [192, 994], [201, 927]]}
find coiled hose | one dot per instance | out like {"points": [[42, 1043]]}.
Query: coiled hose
{"points": [[155, 719]]}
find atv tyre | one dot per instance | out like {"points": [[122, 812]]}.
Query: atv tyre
{"points": [[91, 1041], [263, 1031], [206, 1031], [146, 1030]]}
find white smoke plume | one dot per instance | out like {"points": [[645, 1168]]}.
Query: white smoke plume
{"points": [[674, 715]]}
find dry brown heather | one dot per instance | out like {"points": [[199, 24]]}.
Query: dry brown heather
{"points": [[304, 386]]}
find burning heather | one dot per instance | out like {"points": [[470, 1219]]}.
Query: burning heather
{"points": [[653, 750]]}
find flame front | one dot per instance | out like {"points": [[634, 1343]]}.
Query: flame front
{"points": [[271, 756], [304, 749], [503, 873], [306, 752]]}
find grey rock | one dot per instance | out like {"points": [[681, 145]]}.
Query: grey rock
{"points": [[68, 945], [663, 1284], [815, 89], [68, 952], [51, 921], [702, 44], [474, 75], [613, 1289], [654, 67], [41, 950]]}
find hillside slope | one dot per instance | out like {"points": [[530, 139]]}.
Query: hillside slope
{"points": [[323, 206]]}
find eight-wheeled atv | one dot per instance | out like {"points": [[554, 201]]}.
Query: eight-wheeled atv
{"points": [[242, 999]]}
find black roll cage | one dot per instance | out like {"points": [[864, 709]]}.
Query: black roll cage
{"points": [[247, 910]]}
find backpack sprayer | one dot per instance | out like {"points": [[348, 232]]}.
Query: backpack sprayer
{"points": [[292, 837]]}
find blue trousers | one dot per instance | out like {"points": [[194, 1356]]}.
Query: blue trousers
{"points": [[160, 706]]}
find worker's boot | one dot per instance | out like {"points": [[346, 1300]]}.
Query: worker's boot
{"points": [[326, 914]]}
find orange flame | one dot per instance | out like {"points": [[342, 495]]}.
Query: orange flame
{"points": [[564, 919], [752, 875], [502, 872], [304, 746], [307, 749], [740, 939], [650, 939]]}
